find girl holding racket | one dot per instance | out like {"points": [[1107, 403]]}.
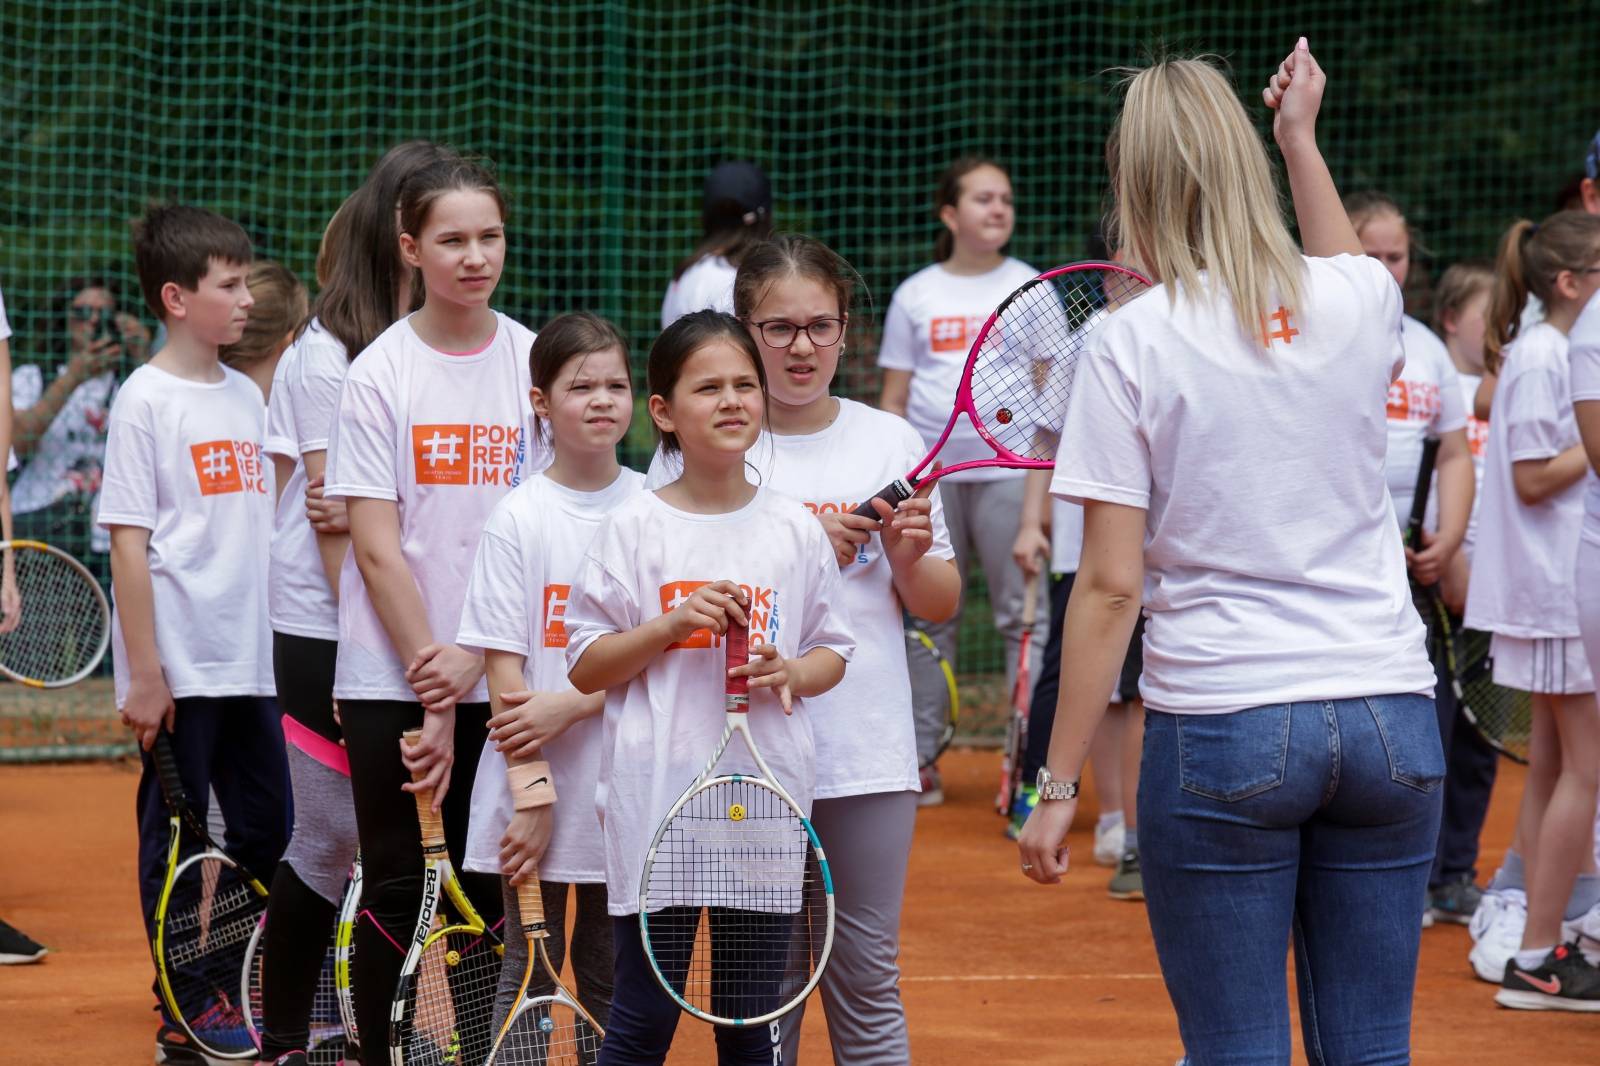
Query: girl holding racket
{"points": [[1227, 441], [515, 609], [1524, 592], [932, 320], [365, 286], [793, 295], [431, 431], [666, 573]]}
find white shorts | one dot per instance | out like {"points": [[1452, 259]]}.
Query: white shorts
{"points": [[1554, 666]]}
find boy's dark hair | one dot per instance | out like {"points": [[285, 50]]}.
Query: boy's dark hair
{"points": [[176, 243]]}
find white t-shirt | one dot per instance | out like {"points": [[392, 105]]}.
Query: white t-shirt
{"points": [[184, 460], [516, 602], [1584, 352], [445, 436], [1477, 446], [1424, 401], [662, 726], [1524, 568], [305, 394], [5, 332], [865, 737], [932, 320], [708, 283], [1273, 565]]}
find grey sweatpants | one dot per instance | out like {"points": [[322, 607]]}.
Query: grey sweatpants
{"points": [[324, 842], [591, 948], [867, 840], [982, 518]]}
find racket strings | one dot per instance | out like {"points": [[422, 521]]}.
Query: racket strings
{"points": [[1023, 375], [64, 624], [1503, 715], [735, 901], [326, 1042], [448, 1012], [548, 1032], [210, 918]]}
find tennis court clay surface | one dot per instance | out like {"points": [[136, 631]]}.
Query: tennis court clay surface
{"points": [[997, 970]]}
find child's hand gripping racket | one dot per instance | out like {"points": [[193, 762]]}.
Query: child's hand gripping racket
{"points": [[547, 1026], [736, 897], [1020, 369]]}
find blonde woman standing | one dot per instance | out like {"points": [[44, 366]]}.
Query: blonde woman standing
{"points": [[1227, 441]]}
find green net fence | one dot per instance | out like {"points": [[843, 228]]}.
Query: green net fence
{"points": [[602, 118]]}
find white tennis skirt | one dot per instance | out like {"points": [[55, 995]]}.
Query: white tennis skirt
{"points": [[1555, 666]]}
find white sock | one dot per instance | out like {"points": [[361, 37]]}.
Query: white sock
{"points": [[1109, 821], [1532, 958]]}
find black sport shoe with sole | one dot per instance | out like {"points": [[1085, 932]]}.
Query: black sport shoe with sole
{"points": [[1564, 981], [1455, 900], [17, 948]]}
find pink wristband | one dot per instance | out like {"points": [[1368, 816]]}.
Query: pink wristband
{"points": [[531, 785]]}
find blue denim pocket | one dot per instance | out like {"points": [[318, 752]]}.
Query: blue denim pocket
{"points": [[1231, 757], [1410, 731]]}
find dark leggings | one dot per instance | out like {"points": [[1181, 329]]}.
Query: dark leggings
{"points": [[391, 849], [644, 1018], [1042, 705]]}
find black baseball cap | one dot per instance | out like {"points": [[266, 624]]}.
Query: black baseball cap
{"points": [[737, 189]]}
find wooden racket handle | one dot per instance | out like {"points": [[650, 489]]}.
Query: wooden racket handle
{"points": [[737, 644], [430, 821], [530, 905], [1030, 598]]}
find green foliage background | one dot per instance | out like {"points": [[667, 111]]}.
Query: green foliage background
{"points": [[602, 117]]}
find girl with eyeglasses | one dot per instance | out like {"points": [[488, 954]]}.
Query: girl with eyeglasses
{"points": [[793, 294]]}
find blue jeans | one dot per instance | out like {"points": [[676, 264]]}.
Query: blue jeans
{"points": [[1315, 821]]}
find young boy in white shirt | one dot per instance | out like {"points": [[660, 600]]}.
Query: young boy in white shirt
{"points": [[187, 498]]}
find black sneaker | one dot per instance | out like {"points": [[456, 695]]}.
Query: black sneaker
{"points": [[1564, 981], [1128, 881], [17, 948], [292, 1058], [1455, 900]]}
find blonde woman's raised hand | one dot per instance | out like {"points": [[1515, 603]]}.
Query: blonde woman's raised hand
{"points": [[1294, 93]]}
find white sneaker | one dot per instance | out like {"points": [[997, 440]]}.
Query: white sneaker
{"points": [[1108, 843], [1585, 932], [1496, 929]]}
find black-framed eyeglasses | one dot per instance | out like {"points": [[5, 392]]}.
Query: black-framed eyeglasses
{"points": [[781, 334]]}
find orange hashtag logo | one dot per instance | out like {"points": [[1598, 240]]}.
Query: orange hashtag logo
{"points": [[948, 334], [555, 612], [440, 454], [217, 467], [1285, 331], [673, 593]]}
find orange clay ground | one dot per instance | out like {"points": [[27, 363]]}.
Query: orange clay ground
{"points": [[997, 970]]}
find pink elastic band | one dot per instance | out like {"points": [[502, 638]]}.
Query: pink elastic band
{"points": [[319, 747], [476, 350]]}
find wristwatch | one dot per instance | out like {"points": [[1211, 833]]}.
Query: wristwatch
{"points": [[1051, 789]]}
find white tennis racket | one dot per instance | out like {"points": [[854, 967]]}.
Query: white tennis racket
{"points": [[736, 897], [65, 624]]}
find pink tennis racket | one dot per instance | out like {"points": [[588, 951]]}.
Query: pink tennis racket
{"points": [[1020, 368]]}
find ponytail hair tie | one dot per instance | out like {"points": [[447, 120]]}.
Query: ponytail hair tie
{"points": [[1533, 227]]}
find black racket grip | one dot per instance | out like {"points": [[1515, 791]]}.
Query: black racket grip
{"points": [[167, 771], [1419, 498], [893, 494]]}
